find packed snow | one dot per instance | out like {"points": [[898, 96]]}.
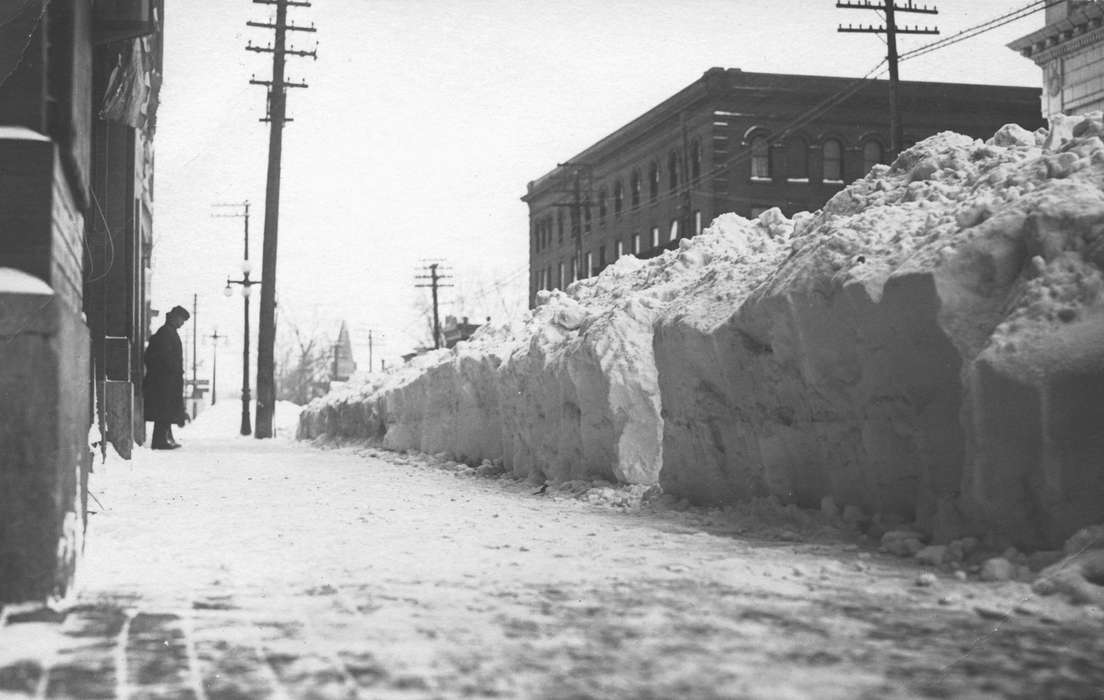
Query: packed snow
{"points": [[925, 350]]}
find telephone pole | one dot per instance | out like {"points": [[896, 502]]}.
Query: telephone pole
{"points": [[578, 201], [891, 30], [434, 283], [195, 354], [214, 364], [277, 115]]}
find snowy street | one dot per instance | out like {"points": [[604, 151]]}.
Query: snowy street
{"points": [[237, 568]]}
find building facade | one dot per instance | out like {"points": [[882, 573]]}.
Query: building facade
{"points": [[1070, 50], [79, 81], [734, 141]]}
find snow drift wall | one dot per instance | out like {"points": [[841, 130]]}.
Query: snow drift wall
{"points": [[929, 346]]}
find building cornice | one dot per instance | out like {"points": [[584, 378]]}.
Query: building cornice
{"points": [[1081, 28]]}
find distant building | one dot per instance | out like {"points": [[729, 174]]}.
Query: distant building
{"points": [[1070, 50], [455, 330], [736, 142], [343, 364]]}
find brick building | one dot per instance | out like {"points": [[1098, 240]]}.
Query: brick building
{"points": [[1070, 50], [79, 81], [739, 142]]}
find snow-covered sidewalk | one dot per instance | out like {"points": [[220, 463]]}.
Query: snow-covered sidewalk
{"points": [[243, 568]]}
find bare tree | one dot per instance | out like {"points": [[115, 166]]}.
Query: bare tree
{"points": [[303, 371]]}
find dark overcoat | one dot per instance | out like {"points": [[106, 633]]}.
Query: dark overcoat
{"points": [[163, 387]]}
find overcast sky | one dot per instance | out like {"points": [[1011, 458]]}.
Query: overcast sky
{"points": [[425, 119]]}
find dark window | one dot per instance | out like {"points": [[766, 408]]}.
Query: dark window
{"points": [[833, 160], [602, 196], [673, 171], [653, 182], [586, 218], [559, 226], [601, 257], [695, 160], [618, 198], [634, 188], [797, 159], [872, 155], [760, 157]]}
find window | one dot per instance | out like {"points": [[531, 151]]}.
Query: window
{"points": [[760, 158], [618, 249], [574, 268], [560, 275], [586, 218], [634, 188], [636, 243], [602, 196], [832, 170], [548, 277], [674, 230], [673, 171], [797, 159], [618, 198], [588, 268], [695, 160], [653, 182], [559, 225], [601, 257], [697, 222], [872, 155], [655, 236]]}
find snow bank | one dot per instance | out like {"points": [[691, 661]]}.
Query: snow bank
{"points": [[568, 392], [929, 346]]}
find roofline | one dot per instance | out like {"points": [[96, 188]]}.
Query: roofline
{"points": [[701, 88]]}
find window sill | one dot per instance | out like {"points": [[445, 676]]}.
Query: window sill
{"points": [[756, 178], [798, 180], [833, 182]]}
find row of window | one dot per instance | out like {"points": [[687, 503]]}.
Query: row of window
{"points": [[567, 271], [791, 159]]}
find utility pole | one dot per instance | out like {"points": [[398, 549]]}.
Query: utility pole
{"points": [[578, 201], [891, 30], [246, 285], [214, 364], [434, 283], [369, 350], [277, 115], [195, 355]]}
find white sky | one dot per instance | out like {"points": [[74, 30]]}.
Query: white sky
{"points": [[425, 119]]}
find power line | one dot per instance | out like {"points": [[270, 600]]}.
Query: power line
{"points": [[976, 30]]}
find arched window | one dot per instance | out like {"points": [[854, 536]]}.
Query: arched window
{"points": [[832, 168], [695, 160], [603, 195], [618, 198], [760, 157], [673, 171], [797, 159], [653, 181], [634, 188], [872, 154]]}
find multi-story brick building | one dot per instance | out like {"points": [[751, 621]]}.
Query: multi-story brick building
{"points": [[1070, 50], [739, 142]]}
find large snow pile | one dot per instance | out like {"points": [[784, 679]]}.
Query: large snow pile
{"points": [[568, 392], [928, 347]]}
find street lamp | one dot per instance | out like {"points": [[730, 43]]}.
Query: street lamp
{"points": [[246, 285]]}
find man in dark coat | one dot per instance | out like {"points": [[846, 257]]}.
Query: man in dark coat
{"points": [[163, 388]]}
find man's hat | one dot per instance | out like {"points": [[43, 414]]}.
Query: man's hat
{"points": [[179, 311]]}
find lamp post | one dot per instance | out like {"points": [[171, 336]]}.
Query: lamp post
{"points": [[246, 284]]}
